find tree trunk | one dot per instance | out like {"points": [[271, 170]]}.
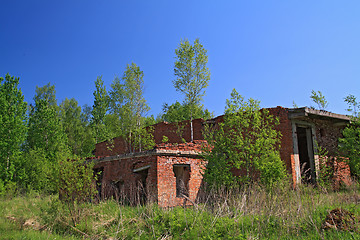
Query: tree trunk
{"points": [[191, 128]]}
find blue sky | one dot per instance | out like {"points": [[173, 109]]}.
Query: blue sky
{"points": [[273, 51]]}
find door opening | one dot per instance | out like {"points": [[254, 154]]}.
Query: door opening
{"points": [[306, 154], [141, 185]]}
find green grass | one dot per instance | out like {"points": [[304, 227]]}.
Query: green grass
{"points": [[252, 213]]}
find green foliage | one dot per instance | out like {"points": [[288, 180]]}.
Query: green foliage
{"points": [[349, 146], [40, 173], [76, 127], [77, 185], [76, 180], [45, 129], [245, 141], [2, 188], [271, 168], [129, 108], [319, 99], [252, 212], [353, 105], [192, 75], [295, 105], [45, 144], [12, 126], [178, 112], [326, 174], [165, 139], [99, 110]]}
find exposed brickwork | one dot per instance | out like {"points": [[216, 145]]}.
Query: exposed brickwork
{"points": [[120, 181], [175, 132], [286, 144], [167, 181], [338, 167], [327, 134], [119, 178]]}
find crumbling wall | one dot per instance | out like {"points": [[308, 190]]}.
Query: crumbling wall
{"points": [[180, 163], [286, 139], [120, 182], [167, 181], [175, 132], [327, 136]]}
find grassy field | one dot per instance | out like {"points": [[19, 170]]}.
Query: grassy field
{"points": [[251, 213]]}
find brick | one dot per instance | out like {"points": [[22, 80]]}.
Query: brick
{"points": [[120, 181]]}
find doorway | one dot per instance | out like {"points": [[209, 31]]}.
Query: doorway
{"points": [[306, 153], [141, 185]]}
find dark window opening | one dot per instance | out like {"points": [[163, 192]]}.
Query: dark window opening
{"points": [[141, 185], [182, 175], [98, 175], [306, 154]]}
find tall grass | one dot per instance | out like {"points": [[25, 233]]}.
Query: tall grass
{"points": [[253, 212]]}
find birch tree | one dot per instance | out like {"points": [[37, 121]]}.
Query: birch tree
{"points": [[192, 74], [129, 105]]}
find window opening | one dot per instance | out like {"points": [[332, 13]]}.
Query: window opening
{"points": [[182, 175]]}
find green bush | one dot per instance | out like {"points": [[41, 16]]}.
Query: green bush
{"points": [[247, 142]]}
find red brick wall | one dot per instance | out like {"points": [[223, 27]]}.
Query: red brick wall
{"points": [[110, 148], [175, 132], [119, 181], [166, 176], [327, 134], [338, 167], [167, 181], [286, 148], [161, 181]]}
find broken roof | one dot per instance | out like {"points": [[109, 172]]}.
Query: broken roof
{"points": [[295, 113]]}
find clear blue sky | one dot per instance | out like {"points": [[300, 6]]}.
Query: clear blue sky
{"points": [[273, 51]]}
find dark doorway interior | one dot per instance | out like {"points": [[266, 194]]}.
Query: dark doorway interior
{"points": [[306, 154], [141, 185], [182, 175]]}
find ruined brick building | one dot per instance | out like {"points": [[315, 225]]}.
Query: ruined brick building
{"points": [[171, 173]]}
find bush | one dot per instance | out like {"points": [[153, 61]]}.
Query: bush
{"points": [[243, 146], [272, 169], [77, 186]]}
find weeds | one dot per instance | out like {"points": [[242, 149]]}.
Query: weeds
{"points": [[253, 212]]}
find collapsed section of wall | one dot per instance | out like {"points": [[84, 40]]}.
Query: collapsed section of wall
{"points": [[170, 174]]}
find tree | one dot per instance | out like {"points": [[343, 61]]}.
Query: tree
{"points": [[353, 105], [99, 110], [245, 141], [45, 128], [177, 112], [192, 75], [75, 124], [319, 99], [46, 139], [130, 107], [12, 125], [349, 144]]}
